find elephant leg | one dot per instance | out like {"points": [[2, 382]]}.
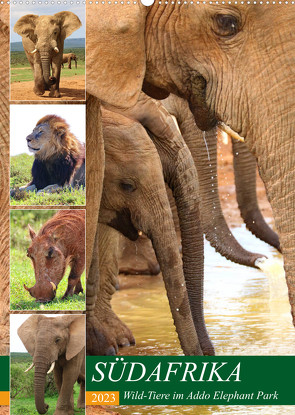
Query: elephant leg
{"points": [[245, 181], [74, 279], [106, 332], [69, 63], [54, 89]]}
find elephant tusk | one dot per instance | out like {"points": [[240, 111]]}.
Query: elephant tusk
{"points": [[51, 368], [29, 368], [26, 288], [34, 51], [229, 131], [53, 285], [140, 233], [56, 49]]}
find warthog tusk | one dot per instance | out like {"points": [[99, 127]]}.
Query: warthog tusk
{"points": [[34, 51], [53, 285], [51, 368], [229, 131], [29, 368], [56, 49]]}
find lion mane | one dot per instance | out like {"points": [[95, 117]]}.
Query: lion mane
{"points": [[61, 156]]}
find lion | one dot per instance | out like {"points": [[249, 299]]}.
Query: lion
{"points": [[59, 156]]}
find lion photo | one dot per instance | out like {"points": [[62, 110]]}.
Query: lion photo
{"points": [[47, 155]]}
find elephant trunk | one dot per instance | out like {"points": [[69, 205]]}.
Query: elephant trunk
{"points": [[203, 147], [41, 368], [245, 181], [164, 242]]}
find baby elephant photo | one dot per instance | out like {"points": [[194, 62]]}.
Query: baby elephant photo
{"points": [[60, 243], [56, 344]]}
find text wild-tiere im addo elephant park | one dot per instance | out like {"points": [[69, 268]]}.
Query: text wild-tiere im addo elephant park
{"points": [[147, 204]]}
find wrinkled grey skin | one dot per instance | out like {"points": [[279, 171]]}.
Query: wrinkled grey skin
{"points": [[60, 340], [43, 42], [228, 71]]}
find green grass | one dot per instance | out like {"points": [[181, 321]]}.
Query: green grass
{"points": [[22, 72], [22, 271], [22, 388], [20, 175]]}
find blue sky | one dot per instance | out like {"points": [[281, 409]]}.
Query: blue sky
{"points": [[19, 10]]}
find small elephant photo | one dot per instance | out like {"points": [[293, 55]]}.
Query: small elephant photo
{"points": [[47, 148], [43, 245], [47, 364], [43, 37]]}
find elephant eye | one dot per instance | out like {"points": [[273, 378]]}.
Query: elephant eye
{"points": [[58, 339], [127, 186], [226, 25]]}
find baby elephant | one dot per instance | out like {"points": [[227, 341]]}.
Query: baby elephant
{"points": [[56, 343], [60, 242]]}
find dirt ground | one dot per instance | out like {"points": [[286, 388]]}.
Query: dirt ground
{"points": [[4, 410], [71, 89]]}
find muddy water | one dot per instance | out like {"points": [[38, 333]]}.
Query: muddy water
{"points": [[247, 313]]}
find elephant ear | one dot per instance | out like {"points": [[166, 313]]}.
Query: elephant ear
{"points": [[115, 52], [25, 26], [77, 337], [69, 22], [27, 333]]}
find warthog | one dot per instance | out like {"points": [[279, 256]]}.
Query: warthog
{"points": [[60, 242]]}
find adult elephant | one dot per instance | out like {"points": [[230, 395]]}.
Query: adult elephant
{"points": [[56, 343], [43, 42], [67, 58], [134, 198], [225, 60]]}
